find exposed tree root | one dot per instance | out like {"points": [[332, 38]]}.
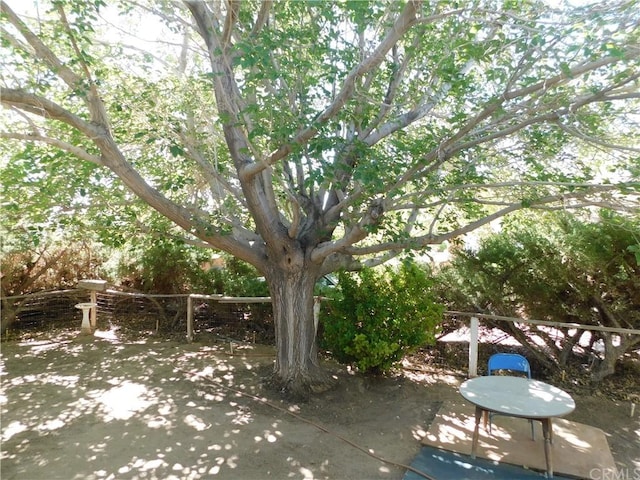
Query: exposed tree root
{"points": [[301, 387]]}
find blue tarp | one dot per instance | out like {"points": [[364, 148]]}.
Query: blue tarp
{"points": [[445, 465]]}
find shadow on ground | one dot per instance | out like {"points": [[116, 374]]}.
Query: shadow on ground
{"points": [[98, 408], [102, 407]]}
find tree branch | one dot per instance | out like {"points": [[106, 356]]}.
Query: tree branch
{"points": [[96, 107], [233, 6], [263, 17], [432, 239], [493, 105], [73, 80], [67, 147], [210, 173], [113, 158], [596, 141], [402, 24], [44, 108]]}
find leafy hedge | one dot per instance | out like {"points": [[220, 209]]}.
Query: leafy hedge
{"points": [[376, 317]]}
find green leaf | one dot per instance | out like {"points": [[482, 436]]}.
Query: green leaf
{"points": [[176, 150]]}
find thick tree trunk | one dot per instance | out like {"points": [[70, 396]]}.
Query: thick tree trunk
{"points": [[297, 371]]}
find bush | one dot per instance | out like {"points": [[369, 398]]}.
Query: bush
{"points": [[161, 265], [375, 319], [169, 266], [238, 279], [556, 267], [47, 266]]}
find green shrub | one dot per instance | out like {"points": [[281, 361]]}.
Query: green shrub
{"points": [[162, 265], [238, 279], [170, 266], [374, 319]]}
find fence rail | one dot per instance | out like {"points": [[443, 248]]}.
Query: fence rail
{"points": [[46, 293], [238, 317], [580, 326], [219, 299], [243, 317], [42, 309], [474, 327]]}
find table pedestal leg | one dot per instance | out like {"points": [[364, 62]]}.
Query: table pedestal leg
{"points": [[476, 432], [547, 432]]}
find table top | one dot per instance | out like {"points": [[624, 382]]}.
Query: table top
{"points": [[517, 396]]}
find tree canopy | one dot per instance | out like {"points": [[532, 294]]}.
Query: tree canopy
{"points": [[303, 137], [388, 125]]}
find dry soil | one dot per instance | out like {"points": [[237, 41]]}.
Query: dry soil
{"points": [[102, 407]]}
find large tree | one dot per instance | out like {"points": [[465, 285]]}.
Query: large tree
{"points": [[304, 137]]}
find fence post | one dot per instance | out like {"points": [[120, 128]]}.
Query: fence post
{"points": [[94, 311], [473, 348], [94, 286], [316, 312], [189, 318]]}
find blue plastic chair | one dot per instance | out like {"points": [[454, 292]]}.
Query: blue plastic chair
{"points": [[511, 362]]}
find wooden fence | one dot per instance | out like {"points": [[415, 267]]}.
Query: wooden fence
{"points": [[178, 310], [474, 326]]}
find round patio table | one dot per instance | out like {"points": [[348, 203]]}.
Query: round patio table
{"points": [[518, 397]]}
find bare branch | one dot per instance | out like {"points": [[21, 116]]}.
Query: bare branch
{"points": [[233, 7], [17, 44], [574, 72], [421, 241], [228, 97], [394, 83], [43, 52], [211, 174], [294, 228], [74, 44], [96, 107], [67, 147], [596, 141], [162, 14], [263, 16], [47, 109], [448, 147]]}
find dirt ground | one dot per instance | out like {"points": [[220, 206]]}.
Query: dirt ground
{"points": [[104, 408]]}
